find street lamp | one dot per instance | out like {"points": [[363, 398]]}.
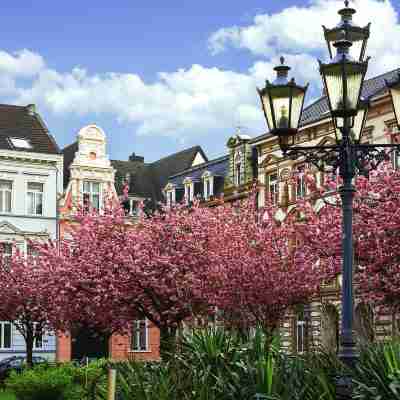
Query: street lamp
{"points": [[282, 102], [353, 33], [343, 79]]}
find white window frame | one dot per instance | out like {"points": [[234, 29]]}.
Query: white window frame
{"points": [[171, 197], [4, 254], [41, 347], [91, 193], [301, 184], [208, 185], [238, 168], [301, 327], [274, 185], [136, 331], [35, 193], [23, 143], [2, 194], [2, 324], [189, 190]]}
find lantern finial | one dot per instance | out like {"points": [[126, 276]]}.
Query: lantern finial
{"points": [[282, 59]]}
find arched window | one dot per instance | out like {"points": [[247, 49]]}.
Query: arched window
{"points": [[238, 166]]}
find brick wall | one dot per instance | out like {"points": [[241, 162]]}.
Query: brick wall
{"points": [[63, 348], [119, 347]]}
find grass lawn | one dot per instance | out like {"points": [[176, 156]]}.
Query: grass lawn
{"points": [[6, 396]]}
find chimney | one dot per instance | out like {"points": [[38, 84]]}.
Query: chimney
{"points": [[31, 109], [134, 157]]}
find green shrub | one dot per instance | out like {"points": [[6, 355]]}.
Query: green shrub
{"points": [[62, 382], [377, 374], [40, 383]]}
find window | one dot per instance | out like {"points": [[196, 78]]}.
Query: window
{"points": [[7, 252], [20, 143], [208, 187], [38, 342], [189, 192], [91, 194], [31, 250], [301, 188], [169, 198], [5, 196], [396, 159], [238, 176], [5, 335], [139, 340], [273, 187], [300, 336], [238, 169], [35, 198]]}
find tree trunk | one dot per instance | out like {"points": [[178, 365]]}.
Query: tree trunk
{"points": [[29, 341], [167, 342]]}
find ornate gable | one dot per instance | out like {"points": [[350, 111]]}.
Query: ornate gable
{"points": [[6, 228], [91, 148]]}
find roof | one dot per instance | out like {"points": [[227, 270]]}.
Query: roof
{"points": [[216, 167], [22, 122], [140, 178], [69, 155], [319, 109], [145, 179], [171, 165]]}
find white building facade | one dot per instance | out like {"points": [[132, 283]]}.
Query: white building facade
{"points": [[31, 176]]}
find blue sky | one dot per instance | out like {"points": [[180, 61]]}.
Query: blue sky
{"points": [[159, 76]]}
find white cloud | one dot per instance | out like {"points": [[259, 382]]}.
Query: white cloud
{"points": [[297, 30], [196, 100], [183, 103], [23, 63]]}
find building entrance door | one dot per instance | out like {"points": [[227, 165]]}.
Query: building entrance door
{"points": [[88, 343]]}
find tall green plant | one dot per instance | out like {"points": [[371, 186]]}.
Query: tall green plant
{"points": [[377, 375]]}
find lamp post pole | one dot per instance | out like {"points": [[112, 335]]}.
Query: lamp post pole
{"points": [[282, 101], [347, 344]]}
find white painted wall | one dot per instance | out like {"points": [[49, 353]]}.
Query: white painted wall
{"points": [[18, 226]]}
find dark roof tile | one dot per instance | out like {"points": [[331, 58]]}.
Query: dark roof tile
{"points": [[17, 122]]}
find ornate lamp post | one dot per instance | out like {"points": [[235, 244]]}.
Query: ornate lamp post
{"points": [[282, 102]]}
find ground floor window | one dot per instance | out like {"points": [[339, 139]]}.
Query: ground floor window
{"points": [[5, 335], [301, 327], [38, 343], [139, 340], [301, 339]]}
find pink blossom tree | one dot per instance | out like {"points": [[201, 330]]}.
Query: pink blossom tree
{"points": [[263, 267], [376, 232], [82, 271], [22, 299]]}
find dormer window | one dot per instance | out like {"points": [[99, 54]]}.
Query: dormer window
{"points": [[189, 190], [20, 143], [170, 194], [208, 185]]}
